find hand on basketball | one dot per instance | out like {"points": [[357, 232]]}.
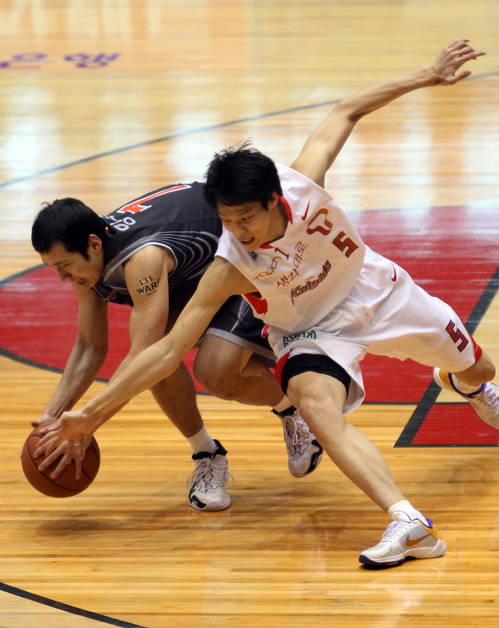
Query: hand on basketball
{"points": [[42, 419], [68, 438], [451, 59]]}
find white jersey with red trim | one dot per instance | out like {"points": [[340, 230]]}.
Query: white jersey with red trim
{"points": [[305, 274]]}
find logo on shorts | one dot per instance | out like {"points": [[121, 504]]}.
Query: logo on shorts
{"points": [[286, 340], [311, 283]]}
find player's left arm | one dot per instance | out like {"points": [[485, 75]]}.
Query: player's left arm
{"points": [[146, 276], [325, 143]]}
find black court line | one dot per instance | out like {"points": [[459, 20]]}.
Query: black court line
{"points": [[213, 127], [67, 608], [430, 396], [166, 138]]}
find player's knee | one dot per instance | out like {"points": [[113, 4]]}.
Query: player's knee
{"points": [[218, 383], [321, 415]]}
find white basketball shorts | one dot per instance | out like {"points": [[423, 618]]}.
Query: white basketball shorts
{"points": [[387, 314]]}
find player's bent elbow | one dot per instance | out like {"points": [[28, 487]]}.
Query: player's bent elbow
{"points": [[167, 364]]}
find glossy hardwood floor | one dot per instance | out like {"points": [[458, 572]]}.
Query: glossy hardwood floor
{"points": [[180, 81]]}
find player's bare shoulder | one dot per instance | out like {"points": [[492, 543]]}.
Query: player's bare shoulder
{"points": [[147, 271]]}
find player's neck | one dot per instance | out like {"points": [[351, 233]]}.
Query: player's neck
{"points": [[278, 223]]}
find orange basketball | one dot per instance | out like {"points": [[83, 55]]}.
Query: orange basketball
{"points": [[65, 484]]}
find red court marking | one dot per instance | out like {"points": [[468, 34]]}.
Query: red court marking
{"points": [[454, 424], [39, 323], [450, 252]]}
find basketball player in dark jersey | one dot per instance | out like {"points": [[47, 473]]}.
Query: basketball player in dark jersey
{"points": [[150, 254]]}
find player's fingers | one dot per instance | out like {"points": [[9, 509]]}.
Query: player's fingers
{"points": [[83, 451], [46, 445], [472, 54], [63, 463], [50, 458], [459, 43], [459, 77], [77, 460]]}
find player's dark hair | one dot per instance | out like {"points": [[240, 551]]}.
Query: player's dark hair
{"points": [[239, 175], [68, 221]]}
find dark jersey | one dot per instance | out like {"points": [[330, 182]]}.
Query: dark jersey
{"points": [[176, 218]]}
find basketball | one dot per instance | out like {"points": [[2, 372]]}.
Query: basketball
{"points": [[65, 484]]}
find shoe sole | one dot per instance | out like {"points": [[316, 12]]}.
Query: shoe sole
{"points": [[315, 461], [197, 504], [392, 561]]}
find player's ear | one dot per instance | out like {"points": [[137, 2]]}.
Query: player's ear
{"points": [[274, 201], [94, 243]]}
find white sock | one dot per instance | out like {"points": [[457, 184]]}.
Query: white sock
{"points": [[406, 507], [283, 405], [202, 441], [464, 388]]}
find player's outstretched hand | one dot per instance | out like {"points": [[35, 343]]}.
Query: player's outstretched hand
{"points": [[451, 59], [42, 419], [69, 438]]}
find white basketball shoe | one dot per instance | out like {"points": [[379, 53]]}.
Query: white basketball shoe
{"points": [[206, 484], [304, 452], [402, 539]]}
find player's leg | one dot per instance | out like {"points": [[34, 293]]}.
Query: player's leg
{"points": [[176, 396], [231, 371], [412, 324], [482, 371], [474, 384], [320, 396]]}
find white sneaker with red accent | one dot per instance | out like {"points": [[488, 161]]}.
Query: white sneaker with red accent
{"points": [[485, 400], [404, 538]]}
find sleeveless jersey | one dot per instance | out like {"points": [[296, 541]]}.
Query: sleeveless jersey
{"points": [[305, 274], [175, 217]]}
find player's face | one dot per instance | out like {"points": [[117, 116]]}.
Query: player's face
{"points": [[252, 224], [73, 267]]}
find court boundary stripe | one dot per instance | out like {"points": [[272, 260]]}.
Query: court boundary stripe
{"points": [[173, 136], [39, 599], [431, 394]]}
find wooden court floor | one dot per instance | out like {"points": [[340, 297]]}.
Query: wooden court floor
{"points": [[109, 99]]}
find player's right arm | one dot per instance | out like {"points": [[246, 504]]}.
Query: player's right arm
{"points": [[86, 358]]}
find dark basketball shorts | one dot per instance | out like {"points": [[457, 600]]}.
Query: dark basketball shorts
{"points": [[236, 323]]}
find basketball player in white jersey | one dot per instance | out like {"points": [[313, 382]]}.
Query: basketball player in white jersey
{"points": [[327, 300]]}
